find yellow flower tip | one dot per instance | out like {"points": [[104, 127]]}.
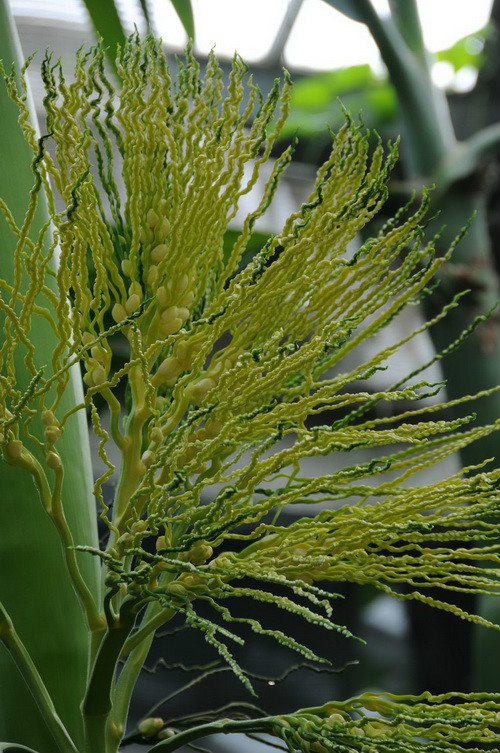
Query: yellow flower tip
{"points": [[53, 461]]}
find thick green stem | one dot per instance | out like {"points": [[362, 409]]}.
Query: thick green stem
{"points": [[98, 698], [32, 678], [423, 108]]}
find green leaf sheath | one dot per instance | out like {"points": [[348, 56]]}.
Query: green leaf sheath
{"points": [[184, 10], [107, 23], [34, 583]]}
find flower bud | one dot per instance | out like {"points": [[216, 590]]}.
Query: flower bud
{"points": [[14, 449], [156, 435], [200, 553], [152, 276], [187, 299], [148, 458], [213, 428], [151, 726], [168, 371], [161, 543], [181, 351], [99, 375], [170, 322], [158, 253], [53, 461], [135, 288], [132, 303], [139, 526], [163, 296], [127, 267], [183, 313], [197, 392], [52, 434], [162, 229], [98, 352], [176, 589], [164, 734], [335, 719], [48, 418], [182, 284], [152, 218], [118, 313]]}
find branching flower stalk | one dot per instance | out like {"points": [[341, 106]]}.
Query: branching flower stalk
{"points": [[227, 362]]}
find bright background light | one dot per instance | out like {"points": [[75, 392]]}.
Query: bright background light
{"points": [[321, 37]]}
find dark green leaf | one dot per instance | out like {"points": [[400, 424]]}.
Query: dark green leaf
{"points": [[185, 12], [145, 10], [15, 748], [347, 7], [107, 23]]}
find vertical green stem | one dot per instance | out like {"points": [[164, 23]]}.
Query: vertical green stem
{"points": [[31, 676], [97, 703], [423, 108]]}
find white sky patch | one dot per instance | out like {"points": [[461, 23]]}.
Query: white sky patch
{"points": [[321, 38]]}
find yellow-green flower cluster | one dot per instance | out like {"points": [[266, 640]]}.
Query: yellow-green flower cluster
{"points": [[226, 360]]}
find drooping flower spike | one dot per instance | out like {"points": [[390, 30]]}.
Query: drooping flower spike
{"points": [[227, 363]]}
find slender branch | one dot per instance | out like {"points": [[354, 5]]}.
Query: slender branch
{"points": [[52, 503], [33, 680], [157, 620], [94, 619], [126, 684], [405, 16], [225, 727]]}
